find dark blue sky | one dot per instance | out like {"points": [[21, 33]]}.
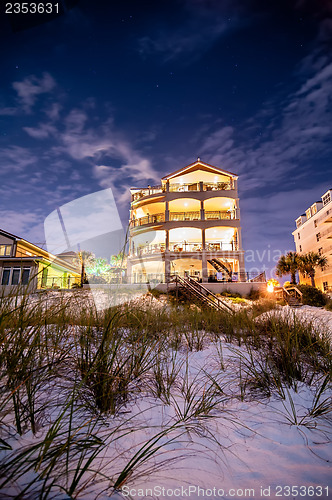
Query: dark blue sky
{"points": [[120, 94]]}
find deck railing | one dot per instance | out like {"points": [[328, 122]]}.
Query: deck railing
{"points": [[219, 215], [184, 246], [148, 219], [148, 191], [184, 216], [174, 216], [183, 187]]}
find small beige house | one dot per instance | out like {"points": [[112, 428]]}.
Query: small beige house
{"points": [[23, 264]]}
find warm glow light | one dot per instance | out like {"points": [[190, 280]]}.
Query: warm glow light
{"points": [[271, 284]]}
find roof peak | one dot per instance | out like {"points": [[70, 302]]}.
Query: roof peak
{"points": [[198, 162]]}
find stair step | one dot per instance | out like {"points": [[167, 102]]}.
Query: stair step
{"points": [[294, 302]]}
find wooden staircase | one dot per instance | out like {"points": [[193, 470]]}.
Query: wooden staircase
{"points": [[293, 301], [292, 295], [193, 289], [220, 267]]}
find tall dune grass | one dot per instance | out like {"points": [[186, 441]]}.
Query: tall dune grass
{"points": [[69, 376]]}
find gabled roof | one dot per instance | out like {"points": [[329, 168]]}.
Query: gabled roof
{"points": [[10, 235], [196, 166]]}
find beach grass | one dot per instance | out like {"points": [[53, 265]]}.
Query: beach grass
{"points": [[70, 376]]}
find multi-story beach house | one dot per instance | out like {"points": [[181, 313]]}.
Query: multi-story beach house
{"points": [[188, 225], [313, 233]]}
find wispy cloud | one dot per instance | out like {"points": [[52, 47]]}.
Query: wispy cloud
{"points": [[31, 87], [42, 131], [203, 24], [289, 146], [16, 159], [26, 224], [102, 151]]}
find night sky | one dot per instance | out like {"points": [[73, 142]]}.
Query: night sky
{"points": [[118, 94]]}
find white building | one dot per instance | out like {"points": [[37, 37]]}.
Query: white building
{"points": [[188, 225], [314, 233]]}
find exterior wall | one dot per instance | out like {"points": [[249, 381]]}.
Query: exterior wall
{"points": [[190, 219], [7, 246], [50, 276], [242, 288], [314, 233], [11, 275], [22, 270]]}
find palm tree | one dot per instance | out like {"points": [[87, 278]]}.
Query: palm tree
{"points": [[84, 259], [308, 263], [288, 264]]}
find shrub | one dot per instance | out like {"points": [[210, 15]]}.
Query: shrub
{"points": [[329, 305], [253, 294], [312, 296], [228, 293], [97, 280]]}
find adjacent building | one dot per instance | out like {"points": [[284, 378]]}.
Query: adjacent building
{"points": [[187, 225], [314, 233], [23, 264]]}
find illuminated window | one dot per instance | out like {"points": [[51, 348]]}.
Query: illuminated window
{"points": [[313, 209], [44, 277], [308, 213], [5, 250]]}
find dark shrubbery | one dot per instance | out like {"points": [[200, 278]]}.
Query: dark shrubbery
{"points": [[254, 294], [312, 296], [97, 280], [228, 293]]}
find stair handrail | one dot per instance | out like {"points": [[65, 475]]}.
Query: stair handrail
{"points": [[218, 304], [296, 290], [287, 295], [221, 264], [209, 292]]}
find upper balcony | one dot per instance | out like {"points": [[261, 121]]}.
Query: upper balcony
{"points": [[182, 188], [185, 216]]}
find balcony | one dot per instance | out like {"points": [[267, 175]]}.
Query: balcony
{"points": [[149, 249], [180, 216], [184, 246], [184, 216], [148, 219], [181, 188], [220, 215], [201, 186], [217, 186], [222, 246], [148, 191], [209, 247]]}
